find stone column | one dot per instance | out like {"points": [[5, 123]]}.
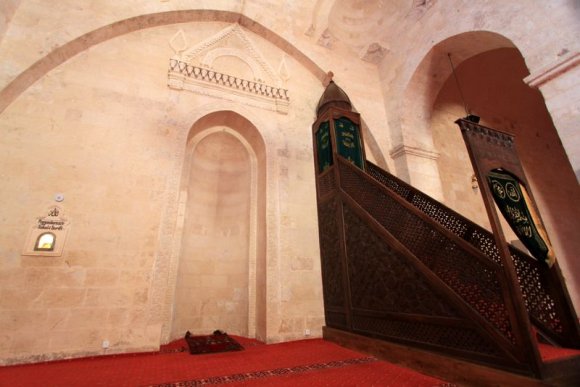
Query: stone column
{"points": [[559, 83], [418, 167]]}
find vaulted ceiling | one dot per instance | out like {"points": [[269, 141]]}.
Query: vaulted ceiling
{"points": [[365, 27]]}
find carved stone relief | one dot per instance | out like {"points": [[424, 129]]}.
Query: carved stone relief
{"points": [[215, 67], [420, 7], [326, 39], [374, 53]]}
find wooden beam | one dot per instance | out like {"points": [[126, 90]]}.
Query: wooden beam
{"points": [[430, 363]]}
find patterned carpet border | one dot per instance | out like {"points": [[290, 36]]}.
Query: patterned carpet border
{"points": [[268, 373]]}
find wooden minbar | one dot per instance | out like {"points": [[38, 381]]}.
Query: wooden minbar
{"points": [[411, 281]]}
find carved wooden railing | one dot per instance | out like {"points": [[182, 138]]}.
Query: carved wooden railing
{"points": [[460, 306], [398, 265], [542, 295]]}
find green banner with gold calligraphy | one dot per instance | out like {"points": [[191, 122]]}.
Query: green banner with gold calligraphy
{"points": [[514, 203], [323, 147], [348, 141]]}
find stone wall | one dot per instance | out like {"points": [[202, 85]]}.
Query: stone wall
{"points": [[413, 72], [7, 10], [106, 131], [87, 111]]}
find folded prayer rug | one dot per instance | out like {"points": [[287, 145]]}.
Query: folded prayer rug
{"points": [[217, 342]]}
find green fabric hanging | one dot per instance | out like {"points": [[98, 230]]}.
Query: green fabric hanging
{"points": [[348, 141], [515, 205], [324, 149]]}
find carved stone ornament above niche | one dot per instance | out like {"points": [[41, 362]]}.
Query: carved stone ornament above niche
{"points": [[228, 66], [48, 234]]}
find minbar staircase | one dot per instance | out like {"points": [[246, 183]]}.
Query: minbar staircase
{"points": [[414, 282]]}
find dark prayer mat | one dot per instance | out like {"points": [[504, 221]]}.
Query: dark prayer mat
{"points": [[217, 342]]}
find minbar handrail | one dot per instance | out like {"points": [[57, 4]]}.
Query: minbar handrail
{"points": [[506, 332], [545, 311]]}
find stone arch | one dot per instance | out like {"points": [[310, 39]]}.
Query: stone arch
{"points": [[63, 53], [417, 156], [414, 155], [248, 138], [492, 85], [430, 75]]}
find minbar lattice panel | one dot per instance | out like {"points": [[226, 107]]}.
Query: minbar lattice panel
{"points": [[539, 303], [326, 183], [336, 320], [333, 289], [475, 281], [383, 280], [426, 204]]}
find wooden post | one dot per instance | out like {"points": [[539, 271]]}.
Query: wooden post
{"points": [[491, 149]]}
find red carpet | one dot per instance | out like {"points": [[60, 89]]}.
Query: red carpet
{"points": [[549, 353], [300, 363]]}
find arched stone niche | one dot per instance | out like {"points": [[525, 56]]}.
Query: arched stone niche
{"points": [[220, 282]]}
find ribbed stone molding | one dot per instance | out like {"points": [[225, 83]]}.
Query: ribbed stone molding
{"points": [[403, 150], [183, 76], [564, 64]]}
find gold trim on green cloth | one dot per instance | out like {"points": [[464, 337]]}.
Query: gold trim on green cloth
{"points": [[348, 141], [515, 204], [323, 147]]}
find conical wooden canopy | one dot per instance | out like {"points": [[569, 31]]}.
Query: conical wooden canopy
{"points": [[333, 96]]}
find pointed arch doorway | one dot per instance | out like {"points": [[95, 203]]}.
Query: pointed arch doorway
{"points": [[221, 280]]}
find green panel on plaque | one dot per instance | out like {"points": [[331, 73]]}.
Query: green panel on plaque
{"points": [[512, 203], [323, 147], [348, 141]]}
